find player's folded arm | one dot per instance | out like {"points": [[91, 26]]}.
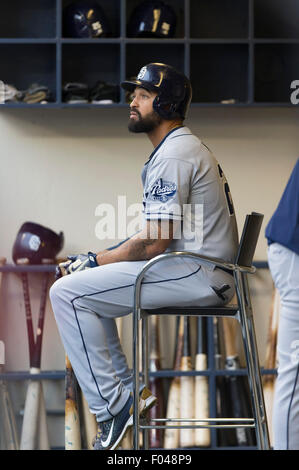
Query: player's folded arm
{"points": [[151, 241], [155, 238]]}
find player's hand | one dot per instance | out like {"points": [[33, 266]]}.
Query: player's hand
{"points": [[76, 263]]}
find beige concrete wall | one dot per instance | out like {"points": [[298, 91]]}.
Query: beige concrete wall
{"points": [[58, 165]]}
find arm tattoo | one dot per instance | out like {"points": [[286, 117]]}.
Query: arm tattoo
{"points": [[139, 250]]}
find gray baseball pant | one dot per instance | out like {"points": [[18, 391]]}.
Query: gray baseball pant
{"points": [[86, 303]]}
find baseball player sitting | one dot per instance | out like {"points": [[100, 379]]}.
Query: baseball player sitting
{"points": [[187, 207]]}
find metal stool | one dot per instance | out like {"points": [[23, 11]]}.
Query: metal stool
{"points": [[242, 312]]}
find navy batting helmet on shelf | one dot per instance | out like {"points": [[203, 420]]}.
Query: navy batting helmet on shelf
{"points": [[85, 19], [173, 88], [36, 244], [152, 18]]}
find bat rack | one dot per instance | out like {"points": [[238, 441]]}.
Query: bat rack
{"points": [[211, 372]]}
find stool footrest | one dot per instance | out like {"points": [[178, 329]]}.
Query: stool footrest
{"points": [[226, 311], [210, 423], [199, 426], [203, 420]]}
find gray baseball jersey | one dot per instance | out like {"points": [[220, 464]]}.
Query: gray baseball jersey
{"points": [[183, 182]]}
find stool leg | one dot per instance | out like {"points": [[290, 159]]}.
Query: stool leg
{"points": [[252, 358], [136, 341], [145, 349], [252, 337], [145, 371], [264, 425]]}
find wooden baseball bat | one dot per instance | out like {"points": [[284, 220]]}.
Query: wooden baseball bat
{"points": [[8, 420], [225, 437], [43, 442], [34, 403], [172, 436], [201, 395], [7, 415], [90, 426], [237, 389], [271, 360], [119, 325], [72, 418], [187, 389], [156, 436], [72, 425]]}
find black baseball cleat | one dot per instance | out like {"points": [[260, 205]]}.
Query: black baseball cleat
{"points": [[104, 93], [111, 433], [75, 93]]}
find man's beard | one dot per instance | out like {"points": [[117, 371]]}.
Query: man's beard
{"points": [[144, 124]]}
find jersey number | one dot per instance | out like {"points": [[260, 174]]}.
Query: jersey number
{"points": [[227, 193]]}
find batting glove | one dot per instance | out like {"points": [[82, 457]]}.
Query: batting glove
{"points": [[76, 263]]}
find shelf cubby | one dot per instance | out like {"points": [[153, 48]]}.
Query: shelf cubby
{"points": [[276, 66], [89, 63], [207, 19], [29, 19], [210, 78], [276, 19], [32, 63]]}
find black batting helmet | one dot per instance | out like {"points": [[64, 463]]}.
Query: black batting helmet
{"points": [[85, 19], [173, 88], [152, 18], [36, 244]]}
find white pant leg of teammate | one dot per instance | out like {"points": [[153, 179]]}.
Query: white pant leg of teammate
{"points": [[284, 267]]}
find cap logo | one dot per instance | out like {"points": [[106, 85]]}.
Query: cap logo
{"points": [[97, 27], [142, 73], [165, 28], [34, 242]]}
